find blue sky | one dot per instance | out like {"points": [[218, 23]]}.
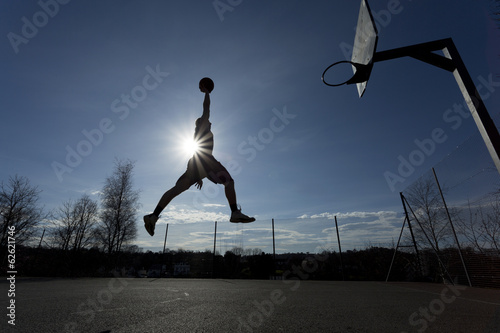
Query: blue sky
{"points": [[106, 80]]}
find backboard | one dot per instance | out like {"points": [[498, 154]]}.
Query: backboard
{"points": [[365, 43]]}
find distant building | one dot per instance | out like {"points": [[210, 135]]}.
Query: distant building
{"points": [[155, 271], [181, 269]]}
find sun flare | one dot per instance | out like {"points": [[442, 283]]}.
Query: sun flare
{"points": [[181, 141], [190, 147]]}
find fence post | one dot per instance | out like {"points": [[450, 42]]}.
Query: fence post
{"points": [[419, 264], [163, 254], [274, 254], [452, 227], [165, 241], [340, 249], [396, 250], [213, 256]]}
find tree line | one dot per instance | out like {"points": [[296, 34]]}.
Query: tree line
{"points": [[84, 223], [370, 264]]}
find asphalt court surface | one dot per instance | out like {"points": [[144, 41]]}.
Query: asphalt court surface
{"points": [[115, 305]]}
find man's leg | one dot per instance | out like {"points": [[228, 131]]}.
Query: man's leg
{"points": [[230, 194], [219, 175], [236, 214], [182, 185], [150, 220]]}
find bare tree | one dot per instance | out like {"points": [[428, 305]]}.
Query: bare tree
{"points": [[238, 251], [75, 223], [425, 200], [87, 214], [468, 226], [482, 227], [63, 225], [252, 252], [119, 209], [19, 208], [491, 224]]}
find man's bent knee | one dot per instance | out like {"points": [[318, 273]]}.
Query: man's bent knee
{"points": [[182, 185], [221, 177], [229, 182]]}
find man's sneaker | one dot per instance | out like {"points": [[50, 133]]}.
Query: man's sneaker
{"points": [[149, 223], [238, 217]]}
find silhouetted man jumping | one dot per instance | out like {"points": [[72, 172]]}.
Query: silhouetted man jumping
{"points": [[201, 165]]}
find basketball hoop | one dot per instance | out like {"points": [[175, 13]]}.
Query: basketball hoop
{"points": [[361, 74], [365, 54]]}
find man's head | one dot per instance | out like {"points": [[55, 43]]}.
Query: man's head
{"points": [[206, 83]]}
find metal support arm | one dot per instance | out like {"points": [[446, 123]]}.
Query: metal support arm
{"points": [[452, 62]]}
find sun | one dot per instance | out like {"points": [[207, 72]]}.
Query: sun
{"points": [[181, 140], [189, 146]]}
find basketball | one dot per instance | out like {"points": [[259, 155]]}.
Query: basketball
{"points": [[207, 83]]}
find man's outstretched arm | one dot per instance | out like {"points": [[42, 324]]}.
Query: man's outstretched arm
{"points": [[206, 106]]}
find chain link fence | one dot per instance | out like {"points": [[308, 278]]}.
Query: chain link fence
{"points": [[452, 230]]}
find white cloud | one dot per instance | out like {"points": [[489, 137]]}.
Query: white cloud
{"points": [[358, 229], [360, 214], [213, 205], [187, 215]]}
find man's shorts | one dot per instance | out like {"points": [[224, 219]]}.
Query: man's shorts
{"points": [[201, 166]]}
